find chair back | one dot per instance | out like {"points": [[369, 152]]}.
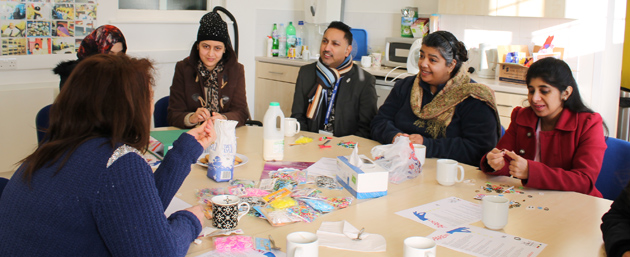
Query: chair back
{"points": [[42, 120], [160, 112], [615, 171]]}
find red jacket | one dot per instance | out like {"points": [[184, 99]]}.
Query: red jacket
{"points": [[571, 155]]}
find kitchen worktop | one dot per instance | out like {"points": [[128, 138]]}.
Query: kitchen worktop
{"points": [[383, 71]]}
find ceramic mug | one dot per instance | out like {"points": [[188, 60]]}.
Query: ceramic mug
{"points": [[494, 211], [421, 153], [377, 60], [306, 54], [417, 246], [366, 61], [302, 244], [447, 172], [225, 211], [291, 127]]}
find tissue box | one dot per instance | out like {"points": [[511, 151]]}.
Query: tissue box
{"points": [[368, 181]]}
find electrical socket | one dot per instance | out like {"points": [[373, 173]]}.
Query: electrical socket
{"points": [[8, 63]]}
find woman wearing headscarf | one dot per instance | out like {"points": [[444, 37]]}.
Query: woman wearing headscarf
{"points": [[441, 107], [210, 83], [103, 40]]}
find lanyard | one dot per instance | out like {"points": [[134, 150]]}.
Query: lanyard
{"points": [[332, 100]]}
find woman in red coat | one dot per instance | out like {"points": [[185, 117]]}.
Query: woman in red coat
{"points": [[557, 142]]}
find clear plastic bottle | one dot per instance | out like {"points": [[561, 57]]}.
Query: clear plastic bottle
{"points": [[275, 41], [282, 41], [299, 36], [273, 138]]}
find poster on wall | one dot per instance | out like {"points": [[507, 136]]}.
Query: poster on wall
{"points": [[39, 27]]}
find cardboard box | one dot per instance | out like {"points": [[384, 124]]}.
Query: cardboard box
{"points": [[514, 72], [368, 181]]}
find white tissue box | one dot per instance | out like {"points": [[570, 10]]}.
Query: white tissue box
{"points": [[368, 181]]}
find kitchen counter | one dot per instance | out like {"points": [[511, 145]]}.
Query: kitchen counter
{"points": [[383, 71]]}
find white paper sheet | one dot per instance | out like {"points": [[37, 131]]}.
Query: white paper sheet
{"points": [[483, 242], [176, 205], [324, 167], [445, 213]]}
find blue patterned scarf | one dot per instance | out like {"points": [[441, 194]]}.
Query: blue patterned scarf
{"points": [[326, 79]]}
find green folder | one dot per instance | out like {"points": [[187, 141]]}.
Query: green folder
{"points": [[167, 137]]}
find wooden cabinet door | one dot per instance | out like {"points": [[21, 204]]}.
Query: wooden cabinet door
{"points": [[273, 91]]}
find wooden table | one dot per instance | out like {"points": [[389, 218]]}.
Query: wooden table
{"points": [[569, 228]]}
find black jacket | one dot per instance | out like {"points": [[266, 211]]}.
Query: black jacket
{"points": [[355, 103], [616, 225]]}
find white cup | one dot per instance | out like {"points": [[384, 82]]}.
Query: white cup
{"points": [[302, 244], [291, 127], [494, 211], [366, 61], [421, 152], [306, 54], [447, 172], [417, 246], [377, 60]]}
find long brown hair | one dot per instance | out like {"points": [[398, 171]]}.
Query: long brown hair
{"points": [[105, 96]]}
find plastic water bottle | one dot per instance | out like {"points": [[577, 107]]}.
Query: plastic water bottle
{"points": [[282, 41], [291, 39], [275, 42], [273, 138], [299, 36]]}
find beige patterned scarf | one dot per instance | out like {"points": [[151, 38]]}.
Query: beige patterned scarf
{"points": [[437, 115]]}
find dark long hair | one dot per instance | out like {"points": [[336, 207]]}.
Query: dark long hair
{"points": [[450, 48], [557, 73], [105, 96]]}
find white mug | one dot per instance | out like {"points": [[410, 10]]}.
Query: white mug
{"points": [[447, 172], [421, 153], [366, 61], [306, 54], [417, 246], [302, 244], [291, 127], [494, 211], [377, 60]]}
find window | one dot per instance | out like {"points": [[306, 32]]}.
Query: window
{"points": [[163, 4]]}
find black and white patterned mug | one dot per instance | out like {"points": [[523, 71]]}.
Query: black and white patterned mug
{"points": [[225, 211]]}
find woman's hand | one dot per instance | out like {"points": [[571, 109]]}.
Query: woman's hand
{"points": [[495, 159], [198, 211], [416, 139], [399, 135], [201, 115], [204, 134], [518, 166], [217, 116]]}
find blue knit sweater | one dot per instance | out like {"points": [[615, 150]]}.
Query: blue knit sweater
{"points": [[92, 209]]}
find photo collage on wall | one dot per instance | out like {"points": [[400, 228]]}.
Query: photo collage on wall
{"points": [[35, 27]]}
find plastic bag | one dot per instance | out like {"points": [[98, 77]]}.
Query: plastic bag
{"points": [[399, 159], [222, 151]]}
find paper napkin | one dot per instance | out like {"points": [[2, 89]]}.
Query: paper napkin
{"points": [[340, 235]]}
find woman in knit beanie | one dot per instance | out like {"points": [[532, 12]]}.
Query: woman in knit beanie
{"points": [[210, 83]]}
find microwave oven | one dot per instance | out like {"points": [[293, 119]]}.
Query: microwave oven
{"points": [[397, 51]]}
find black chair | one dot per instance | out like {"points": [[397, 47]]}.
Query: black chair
{"points": [[159, 113], [615, 171], [42, 120]]}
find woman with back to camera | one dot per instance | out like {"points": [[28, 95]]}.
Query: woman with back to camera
{"points": [[210, 83], [441, 107], [88, 191], [557, 142]]}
